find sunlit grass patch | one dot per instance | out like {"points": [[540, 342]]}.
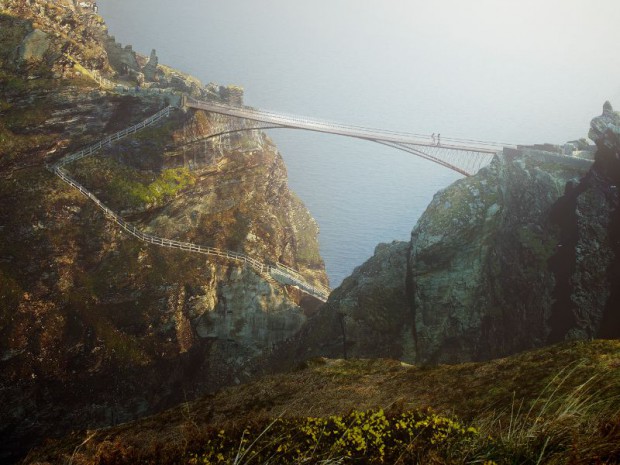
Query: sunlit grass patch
{"points": [[123, 187], [556, 405], [372, 436]]}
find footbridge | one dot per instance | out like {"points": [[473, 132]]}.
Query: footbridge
{"points": [[461, 155], [272, 272]]}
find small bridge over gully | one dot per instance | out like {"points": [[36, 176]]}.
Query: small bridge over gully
{"points": [[463, 156]]}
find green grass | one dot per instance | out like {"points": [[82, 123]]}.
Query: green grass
{"points": [[164, 187], [579, 425], [372, 436], [123, 187]]}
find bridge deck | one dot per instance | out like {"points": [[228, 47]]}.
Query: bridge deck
{"points": [[377, 135]]}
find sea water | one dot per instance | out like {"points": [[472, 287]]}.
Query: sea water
{"points": [[530, 71]]}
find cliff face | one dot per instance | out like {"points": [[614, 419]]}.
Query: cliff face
{"points": [[368, 316], [44, 39], [480, 260], [523, 254], [97, 327]]}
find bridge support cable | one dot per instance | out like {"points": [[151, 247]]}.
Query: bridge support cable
{"points": [[426, 156], [464, 156], [466, 163], [233, 131], [279, 272]]}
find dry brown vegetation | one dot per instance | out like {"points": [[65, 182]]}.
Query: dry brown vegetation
{"points": [[555, 405]]}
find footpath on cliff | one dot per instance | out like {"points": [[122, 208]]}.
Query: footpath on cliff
{"points": [[97, 327], [522, 255]]}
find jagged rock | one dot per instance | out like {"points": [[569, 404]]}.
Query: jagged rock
{"points": [[232, 94], [122, 59], [72, 37], [488, 270], [368, 314], [150, 69], [605, 129], [97, 327], [523, 254]]}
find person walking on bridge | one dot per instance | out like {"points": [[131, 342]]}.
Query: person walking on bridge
{"points": [[433, 138], [438, 140]]}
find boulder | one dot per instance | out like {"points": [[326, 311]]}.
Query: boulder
{"points": [[34, 46]]}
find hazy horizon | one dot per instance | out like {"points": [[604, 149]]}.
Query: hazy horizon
{"points": [[509, 58], [516, 72]]}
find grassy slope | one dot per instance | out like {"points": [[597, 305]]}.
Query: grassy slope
{"points": [[559, 404]]}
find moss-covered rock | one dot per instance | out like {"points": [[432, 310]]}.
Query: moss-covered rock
{"points": [[520, 255], [97, 327]]}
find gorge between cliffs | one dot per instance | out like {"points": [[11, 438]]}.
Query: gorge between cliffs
{"points": [[99, 328], [521, 255]]}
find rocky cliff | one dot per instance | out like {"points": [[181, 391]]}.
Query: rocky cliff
{"points": [[523, 254], [97, 327]]}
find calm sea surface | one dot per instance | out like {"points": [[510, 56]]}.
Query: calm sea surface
{"points": [[524, 71]]}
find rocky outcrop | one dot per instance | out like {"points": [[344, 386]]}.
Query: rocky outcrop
{"points": [[150, 69], [232, 95], [41, 36], [34, 46], [82, 303], [482, 285], [606, 178], [523, 254], [605, 129], [367, 316], [96, 327], [123, 59]]}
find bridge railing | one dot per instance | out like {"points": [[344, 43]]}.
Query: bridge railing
{"points": [[294, 274], [286, 118], [321, 292], [114, 137], [290, 275]]}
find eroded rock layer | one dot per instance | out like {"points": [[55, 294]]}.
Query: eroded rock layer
{"points": [[523, 254], [96, 327]]}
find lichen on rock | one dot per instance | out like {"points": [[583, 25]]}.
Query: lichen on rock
{"points": [[97, 327], [34, 46], [523, 254]]}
